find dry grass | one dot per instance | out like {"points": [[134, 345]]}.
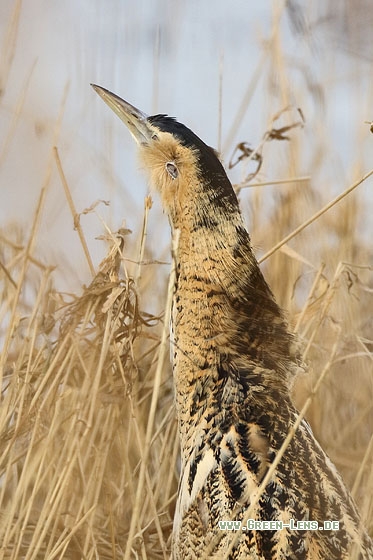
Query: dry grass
{"points": [[77, 386], [88, 438], [89, 452]]}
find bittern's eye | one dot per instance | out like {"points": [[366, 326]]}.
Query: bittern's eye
{"points": [[172, 170], [155, 137]]}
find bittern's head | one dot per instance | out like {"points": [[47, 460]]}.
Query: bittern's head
{"points": [[186, 172]]}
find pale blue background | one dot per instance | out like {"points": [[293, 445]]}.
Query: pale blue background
{"points": [[173, 57]]}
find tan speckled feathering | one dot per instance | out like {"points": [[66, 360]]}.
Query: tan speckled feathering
{"points": [[233, 361]]}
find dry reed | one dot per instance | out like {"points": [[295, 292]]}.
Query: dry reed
{"points": [[88, 439]]}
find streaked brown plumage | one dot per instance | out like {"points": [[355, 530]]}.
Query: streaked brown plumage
{"points": [[233, 361]]}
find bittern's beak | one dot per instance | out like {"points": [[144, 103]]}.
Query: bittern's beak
{"points": [[136, 121]]}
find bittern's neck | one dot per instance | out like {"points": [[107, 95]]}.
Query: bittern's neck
{"points": [[226, 324]]}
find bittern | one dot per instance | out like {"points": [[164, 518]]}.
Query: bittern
{"points": [[233, 363]]}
